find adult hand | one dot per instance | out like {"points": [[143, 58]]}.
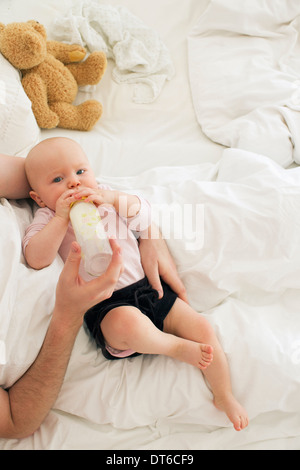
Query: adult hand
{"points": [[158, 262], [74, 296]]}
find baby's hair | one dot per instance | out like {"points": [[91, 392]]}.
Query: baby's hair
{"points": [[40, 152]]}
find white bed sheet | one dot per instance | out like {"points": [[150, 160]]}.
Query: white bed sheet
{"points": [[241, 270], [244, 67], [249, 292]]}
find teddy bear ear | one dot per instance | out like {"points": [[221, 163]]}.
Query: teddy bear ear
{"points": [[38, 27]]}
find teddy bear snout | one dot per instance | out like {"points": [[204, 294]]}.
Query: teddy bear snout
{"points": [[30, 53]]}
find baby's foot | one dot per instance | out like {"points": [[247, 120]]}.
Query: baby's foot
{"points": [[234, 410], [197, 354]]}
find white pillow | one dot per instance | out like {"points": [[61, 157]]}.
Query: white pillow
{"points": [[18, 128]]}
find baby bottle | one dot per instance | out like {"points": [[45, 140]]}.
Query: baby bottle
{"points": [[91, 236]]}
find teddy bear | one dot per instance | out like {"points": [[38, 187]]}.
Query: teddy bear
{"points": [[51, 74]]}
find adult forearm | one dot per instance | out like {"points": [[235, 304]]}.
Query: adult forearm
{"points": [[26, 404], [13, 181], [33, 395]]}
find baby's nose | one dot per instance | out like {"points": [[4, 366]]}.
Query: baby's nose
{"points": [[74, 183]]}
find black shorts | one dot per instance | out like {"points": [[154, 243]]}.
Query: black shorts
{"points": [[140, 295]]}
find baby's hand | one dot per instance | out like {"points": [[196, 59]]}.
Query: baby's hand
{"points": [[97, 196], [63, 204]]}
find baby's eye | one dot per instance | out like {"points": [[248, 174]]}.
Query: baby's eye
{"points": [[57, 179], [80, 172]]}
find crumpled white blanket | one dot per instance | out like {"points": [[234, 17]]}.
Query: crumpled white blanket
{"points": [[244, 66], [141, 58]]}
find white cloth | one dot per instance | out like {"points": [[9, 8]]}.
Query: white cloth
{"points": [[140, 56], [244, 66]]}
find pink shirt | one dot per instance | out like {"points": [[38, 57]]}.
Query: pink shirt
{"points": [[122, 229]]}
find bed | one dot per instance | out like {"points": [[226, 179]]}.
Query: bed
{"points": [[211, 138]]}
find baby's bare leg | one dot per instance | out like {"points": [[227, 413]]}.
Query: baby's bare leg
{"points": [[183, 321], [127, 328]]}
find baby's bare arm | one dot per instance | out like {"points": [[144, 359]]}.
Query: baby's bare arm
{"points": [[127, 205], [43, 246]]}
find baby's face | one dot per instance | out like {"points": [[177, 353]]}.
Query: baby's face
{"points": [[61, 168]]}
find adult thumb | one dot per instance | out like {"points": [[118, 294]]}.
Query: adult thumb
{"points": [[73, 260]]}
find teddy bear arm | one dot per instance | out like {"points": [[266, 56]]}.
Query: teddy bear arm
{"points": [[36, 90], [66, 53]]}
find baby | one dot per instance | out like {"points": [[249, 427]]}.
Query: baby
{"points": [[134, 320]]}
